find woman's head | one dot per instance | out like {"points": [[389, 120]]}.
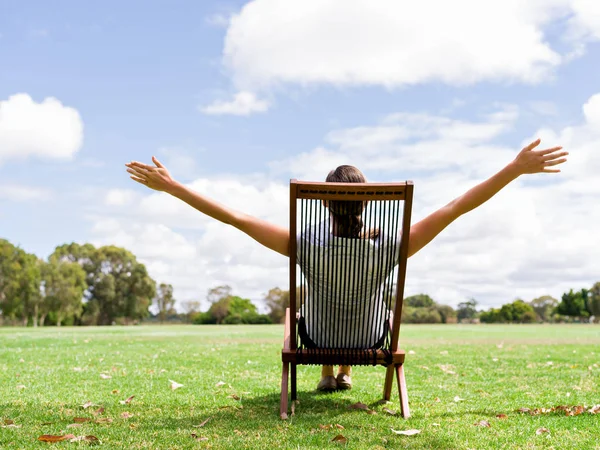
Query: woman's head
{"points": [[346, 214]]}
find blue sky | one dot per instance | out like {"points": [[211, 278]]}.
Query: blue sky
{"points": [[142, 77]]}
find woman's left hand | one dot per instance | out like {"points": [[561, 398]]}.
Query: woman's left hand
{"points": [[155, 177]]}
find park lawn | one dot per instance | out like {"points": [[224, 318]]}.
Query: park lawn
{"points": [[457, 376]]}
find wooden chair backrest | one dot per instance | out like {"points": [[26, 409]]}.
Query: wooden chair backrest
{"points": [[343, 261]]}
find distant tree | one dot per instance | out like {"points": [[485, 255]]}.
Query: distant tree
{"points": [[118, 285], [574, 304], [518, 312], [164, 301], [492, 315], [277, 301], [467, 310], [446, 312], [544, 306], [63, 284], [594, 301], [419, 301], [190, 309]]}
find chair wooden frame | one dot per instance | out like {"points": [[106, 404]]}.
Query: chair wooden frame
{"points": [[290, 353]]}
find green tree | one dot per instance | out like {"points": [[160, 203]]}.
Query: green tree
{"points": [[518, 312], [118, 285], [446, 312], [164, 301], [544, 306], [10, 305], [467, 310], [277, 301], [419, 301], [594, 301], [574, 304], [63, 284]]}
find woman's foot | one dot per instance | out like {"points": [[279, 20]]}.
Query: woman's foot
{"points": [[343, 381], [327, 383]]}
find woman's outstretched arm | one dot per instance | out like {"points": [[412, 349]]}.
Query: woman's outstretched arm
{"points": [[158, 178], [527, 161]]}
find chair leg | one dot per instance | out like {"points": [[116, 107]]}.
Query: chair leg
{"points": [[284, 391], [402, 391], [293, 380], [389, 378]]}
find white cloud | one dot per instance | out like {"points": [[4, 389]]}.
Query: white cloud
{"points": [[19, 193], [243, 103], [120, 197], [391, 43], [46, 130]]}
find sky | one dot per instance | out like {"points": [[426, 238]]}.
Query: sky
{"points": [[235, 98]]}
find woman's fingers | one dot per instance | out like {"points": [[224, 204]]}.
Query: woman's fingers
{"points": [[551, 156], [157, 162], [554, 162], [550, 170], [533, 145], [137, 172], [139, 180], [549, 151], [140, 165]]}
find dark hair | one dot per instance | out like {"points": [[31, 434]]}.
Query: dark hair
{"points": [[347, 213]]}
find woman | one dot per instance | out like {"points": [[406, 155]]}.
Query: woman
{"points": [[277, 238]]}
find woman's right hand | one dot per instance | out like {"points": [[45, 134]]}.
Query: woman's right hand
{"points": [[539, 161], [155, 177]]}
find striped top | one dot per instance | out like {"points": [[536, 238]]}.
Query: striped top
{"points": [[344, 306]]}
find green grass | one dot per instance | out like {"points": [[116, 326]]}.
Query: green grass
{"points": [[497, 369]]}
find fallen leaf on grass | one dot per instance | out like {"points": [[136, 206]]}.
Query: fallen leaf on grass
{"points": [[575, 411], [81, 419], [105, 377], [542, 430], [482, 423], [202, 424], [86, 405], [339, 427], [340, 439], [98, 411], [53, 438], [458, 399], [127, 401], [115, 391], [371, 411], [126, 415], [220, 383], [233, 396], [199, 438], [324, 427], [74, 425], [594, 409], [104, 420], [389, 411], [77, 369], [8, 422], [406, 432], [359, 405], [436, 425], [437, 400], [175, 385], [501, 416], [20, 386], [411, 352]]}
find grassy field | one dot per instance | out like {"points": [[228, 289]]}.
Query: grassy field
{"points": [[457, 376]]}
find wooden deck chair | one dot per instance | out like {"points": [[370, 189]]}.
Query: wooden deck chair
{"points": [[342, 296]]}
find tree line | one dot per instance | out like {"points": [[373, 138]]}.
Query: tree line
{"points": [[76, 285], [80, 284]]}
